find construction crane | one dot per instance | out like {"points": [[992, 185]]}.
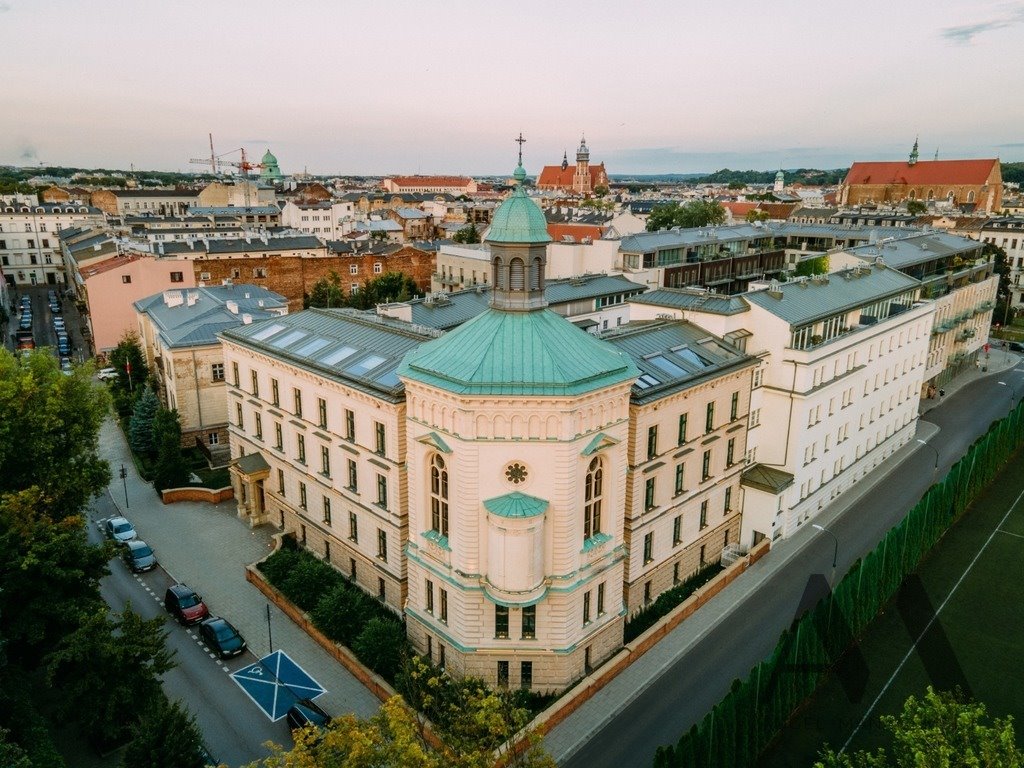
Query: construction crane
{"points": [[215, 162]]}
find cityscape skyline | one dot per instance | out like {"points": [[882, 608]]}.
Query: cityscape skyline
{"points": [[446, 91]]}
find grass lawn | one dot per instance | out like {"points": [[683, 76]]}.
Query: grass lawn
{"points": [[974, 580]]}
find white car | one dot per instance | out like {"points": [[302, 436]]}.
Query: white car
{"points": [[106, 374], [119, 529]]}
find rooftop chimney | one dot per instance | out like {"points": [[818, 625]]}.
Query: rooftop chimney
{"points": [[173, 298], [246, 318], [231, 306]]}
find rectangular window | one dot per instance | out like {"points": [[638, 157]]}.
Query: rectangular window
{"points": [[301, 440], [278, 436], [682, 428], [647, 592], [234, 374], [322, 408], [350, 425], [526, 674], [649, 493], [648, 547], [703, 515], [213, 438], [124, 278], [675, 572], [382, 544], [382, 591], [382, 491], [529, 622], [297, 393], [259, 426], [600, 599], [327, 511], [275, 393], [217, 372], [502, 665], [378, 431], [586, 608], [728, 499], [255, 383], [679, 478], [677, 530], [730, 449], [280, 481], [501, 621], [238, 416], [443, 595], [652, 442], [709, 419], [734, 406], [302, 495], [429, 591], [353, 476], [702, 559], [325, 461], [705, 466], [353, 528]]}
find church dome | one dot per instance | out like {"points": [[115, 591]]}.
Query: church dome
{"points": [[518, 220], [269, 159]]}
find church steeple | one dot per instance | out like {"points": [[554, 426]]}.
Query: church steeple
{"points": [[913, 153], [583, 154], [565, 160]]}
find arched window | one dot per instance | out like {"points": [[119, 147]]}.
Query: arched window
{"points": [[499, 273], [535, 274], [438, 495], [593, 497], [949, 196], [931, 194], [970, 196], [912, 195], [516, 275]]}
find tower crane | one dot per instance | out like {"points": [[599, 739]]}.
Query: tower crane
{"points": [[243, 165]]}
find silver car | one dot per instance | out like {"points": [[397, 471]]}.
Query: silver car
{"points": [[138, 556], [119, 529]]}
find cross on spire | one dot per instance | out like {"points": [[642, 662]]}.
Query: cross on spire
{"points": [[520, 141]]}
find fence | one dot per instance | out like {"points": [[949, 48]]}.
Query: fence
{"points": [[739, 727]]}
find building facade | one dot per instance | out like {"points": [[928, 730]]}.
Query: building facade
{"points": [[582, 179], [30, 249]]}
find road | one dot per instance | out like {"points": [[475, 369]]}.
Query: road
{"points": [[42, 320], [234, 729], [698, 679]]}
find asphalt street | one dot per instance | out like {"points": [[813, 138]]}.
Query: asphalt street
{"points": [[42, 319], [234, 729], [694, 682]]}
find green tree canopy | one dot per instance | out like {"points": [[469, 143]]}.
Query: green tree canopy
{"points": [[49, 427], [140, 428], [467, 234], [128, 352], [391, 286], [166, 736], [696, 213], [326, 292], [916, 207], [939, 730], [816, 266], [170, 469], [757, 215]]}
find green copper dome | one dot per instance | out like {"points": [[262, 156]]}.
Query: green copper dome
{"points": [[518, 220], [269, 158], [518, 354]]}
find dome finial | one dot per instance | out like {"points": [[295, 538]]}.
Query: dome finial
{"points": [[520, 173]]}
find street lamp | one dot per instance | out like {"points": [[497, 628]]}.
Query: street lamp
{"points": [[835, 549], [270, 634], [935, 469], [124, 479]]}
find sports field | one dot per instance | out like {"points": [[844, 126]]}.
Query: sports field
{"points": [[960, 622]]}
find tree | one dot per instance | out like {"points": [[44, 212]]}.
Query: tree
{"points": [[467, 234], [1001, 266], [170, 469], [939, 730], [696, 213], [757, 215], [128, 354], [382, 645], [391, 286], [107, 668], [736, 185], [140, 428], [815, 266], [916, 207], [165, 737], [326, 292], [11, 755], [600, 190], [49, 427]]}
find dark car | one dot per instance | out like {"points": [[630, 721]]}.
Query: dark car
{"points": [[138, 556], [222, 637], [305, 712], [184, 604], [1015, 346]]}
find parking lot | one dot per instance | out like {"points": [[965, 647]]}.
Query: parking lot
{"points": [[44, 334]]}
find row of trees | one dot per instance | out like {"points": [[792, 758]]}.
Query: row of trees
{"points": [[55, 630], [696, 213], [327, 292], [738, 729]]}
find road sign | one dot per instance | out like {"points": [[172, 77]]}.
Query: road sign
{"points": [[275, 682]]}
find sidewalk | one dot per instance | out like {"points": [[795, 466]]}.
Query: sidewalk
{"points": [[997, 362], [565, 739], [208, 547]]}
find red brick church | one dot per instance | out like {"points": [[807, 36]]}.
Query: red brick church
{"points": [[581, 179]]}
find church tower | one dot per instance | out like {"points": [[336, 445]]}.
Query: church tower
{"points": [[517, 431], [581, 179], [913, 154], [780, 181]]}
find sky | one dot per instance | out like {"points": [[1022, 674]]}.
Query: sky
{"points": [[674, 86]]}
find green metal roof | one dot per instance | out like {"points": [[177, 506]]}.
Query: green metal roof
{"points": [[516, 504], [518, 353], [518, 220]]}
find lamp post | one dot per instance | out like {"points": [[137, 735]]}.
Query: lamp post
{"points": [[124, 480], [835, 548], [935, 469], [270, 634]]}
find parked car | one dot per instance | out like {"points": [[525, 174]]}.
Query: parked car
{"points": [[184, 604], [138, 556], [1015, 346], [119, 529], [24, 339], [220, 635], [306, 712], [55, 308], [65, 366], [26, 301], [106, 374], [25, 323], [63, 344], [58, 325]]}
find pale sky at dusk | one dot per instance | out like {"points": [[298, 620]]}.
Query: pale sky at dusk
{"points": [[420, 87]]}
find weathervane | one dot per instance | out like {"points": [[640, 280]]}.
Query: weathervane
{"points": [[520, 141]]}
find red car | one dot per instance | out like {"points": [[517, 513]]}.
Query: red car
{"points": [[185, 605]]}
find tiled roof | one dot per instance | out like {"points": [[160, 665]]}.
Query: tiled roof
{"points": [[155, 193], [923, 172], [431, 181], [502, 353], [355, 348], [232, 210], [554, 176], [673, 355], [559, 232]]}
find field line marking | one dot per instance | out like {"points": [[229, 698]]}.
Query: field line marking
{"points": [[929, 624], [1011, 533]]}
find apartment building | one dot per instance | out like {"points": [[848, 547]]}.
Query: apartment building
{"points": [[30, 249]]}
